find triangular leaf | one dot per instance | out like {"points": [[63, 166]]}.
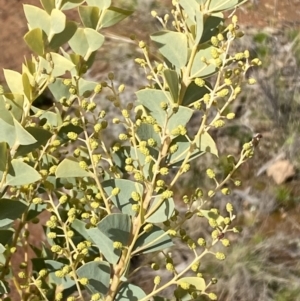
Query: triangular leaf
{"points": [[35, 40], [21, 173], [130, 292], [23, 137], [114, 15], [41, 136], [102, 4], [155, 240], [70, 168], [10, 211], [57, 21], [173, 46], [123, 201], [98, 274], [14, 81], [89, 16], [171, 77], [162, 212], [37, 18]]}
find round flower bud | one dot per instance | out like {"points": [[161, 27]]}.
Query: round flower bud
{"points": [[164, 171], [135, 207], [226, 191], [229, 207], [157, 280], [225, 242], [220, 256], [184, 285], [135, 196], [59, 297], [170, 267], [115, 191], [117, 245], [121, 88], [147, 228], [251, 81], [201, 242], [96, 297], [230, 116], [212, 296], [84, 281], [72, 136], [200, 82], [210, 173]]}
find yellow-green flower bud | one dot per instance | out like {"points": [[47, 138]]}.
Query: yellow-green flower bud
{"points": [[142, 44], [72, 136], [121, 88], [227, 221], [164, 105], [200, 82], [228, 81], [214, 41], [212, 222], [195, 266], [94, 220], [237, 183], [225, 242], [220, 37], [83, 165], [59, 297], [72, 90], [156, 128], [51, 235], [56, 249], [172, 232], [237, 90], [154, 266], [251, 81], [215, 234], [206, 98], [225, 191], [211, 193], [223, 93], [151, 142], [170, 267], [201, 242], [247, 146], [96, 297], [157, 280], [67, 82], [84, 281], [230, 116], [210, 173], [219, 123], [229, 207], [135, 196], [214, 53], [160, 183], [212, 296], [148, 227], [153, 13], [37, 201], [22, 275], [184, 285], [115, 191], [164, 171], [167, 194], [51, 224], [123, 137], [220, 256], [117, 245], [135, 207], [186, 167]]}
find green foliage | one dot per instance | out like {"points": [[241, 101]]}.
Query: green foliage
{"points": [[108, 203]]}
